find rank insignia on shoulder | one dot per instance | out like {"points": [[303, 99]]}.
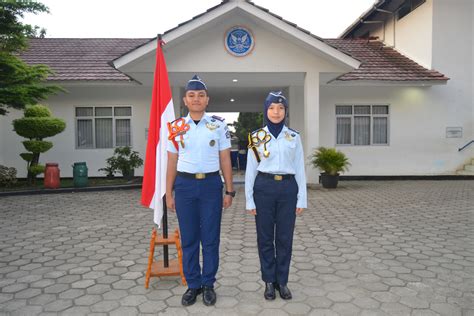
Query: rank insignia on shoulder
{"points": [[289, 137], [218, 118], [293, 130]]}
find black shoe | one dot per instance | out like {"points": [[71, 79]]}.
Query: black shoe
{"points": [[269, 293], [189, 298], [208, 296], [284, 292]]}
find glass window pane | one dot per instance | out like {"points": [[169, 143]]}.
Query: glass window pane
{"points": [[362, 130], [380, 109], [343, 109], [84, 134], [102, 111], [362, 109], [343, 131], [380, 130], [123, 111], [122, 132], [103, 133], [84, 111]]}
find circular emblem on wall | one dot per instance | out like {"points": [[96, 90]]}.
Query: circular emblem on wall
{"points": [[239, 41]]}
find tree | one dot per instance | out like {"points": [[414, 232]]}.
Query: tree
{"points": [[36, 125], [247, 122], [20, 84]]}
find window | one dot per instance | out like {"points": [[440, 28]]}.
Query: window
{"points": [[408, 6], [362, 125], [103, 127]]}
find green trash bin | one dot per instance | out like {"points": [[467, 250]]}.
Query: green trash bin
{"points": [[79, 171]]}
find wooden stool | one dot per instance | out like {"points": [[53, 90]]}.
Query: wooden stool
{"points": [[157, 269]]}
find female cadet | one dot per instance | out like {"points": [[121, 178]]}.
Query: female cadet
{"points": [[199, 144], [275, 190]]}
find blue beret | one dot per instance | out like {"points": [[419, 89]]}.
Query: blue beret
{"points": [[196, 83], [275, 97]]}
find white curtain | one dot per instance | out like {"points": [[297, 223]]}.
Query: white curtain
{"points": [[380, 130], [84, 133], [362, 130], [103, 133], [122, 132], [343, 130]]}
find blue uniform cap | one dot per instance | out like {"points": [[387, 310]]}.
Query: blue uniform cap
{"points": [[275, 97], [196, 83]]}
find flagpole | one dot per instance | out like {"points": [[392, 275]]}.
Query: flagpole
{"points": [[165, 209]]}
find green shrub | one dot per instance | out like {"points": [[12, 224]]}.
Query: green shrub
{"points": [[124, 160], [37, 111], [38, 127], [36, 169], [37, 146], [37, 124], [7, 176], [27, 156], [329, 160]]}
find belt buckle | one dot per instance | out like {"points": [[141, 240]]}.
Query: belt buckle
{"points": [[278, 177], [200, 176]]}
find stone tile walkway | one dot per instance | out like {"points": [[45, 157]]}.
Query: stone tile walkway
{"points": [[367, 248]]}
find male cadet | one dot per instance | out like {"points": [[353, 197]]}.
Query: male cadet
{"points": [[198, 145]]}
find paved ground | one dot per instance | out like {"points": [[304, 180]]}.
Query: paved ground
{"points": [[367, 248]]}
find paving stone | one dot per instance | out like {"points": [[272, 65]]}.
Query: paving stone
{"points": [[367, 248]]}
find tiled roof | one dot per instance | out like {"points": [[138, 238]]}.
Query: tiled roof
{"points": [[382, 63], [88, 59], [84, 59]]}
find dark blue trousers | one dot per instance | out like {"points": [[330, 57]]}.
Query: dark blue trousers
{"points": [[276, 206], [199, 211]]}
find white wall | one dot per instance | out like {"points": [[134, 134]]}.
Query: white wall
{"points": [[413, 33], [205, 52], [64, 151], [418, 120], [453, 55]]}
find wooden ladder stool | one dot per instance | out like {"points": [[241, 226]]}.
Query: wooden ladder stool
{"points": [[158, 269]]}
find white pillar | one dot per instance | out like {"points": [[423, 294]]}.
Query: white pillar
{"points": [[311, 121]]}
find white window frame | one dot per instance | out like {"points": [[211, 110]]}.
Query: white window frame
{"points": [[351, 116], [93, 117]]}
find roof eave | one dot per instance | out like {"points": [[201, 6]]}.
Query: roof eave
{"points": [[175, 33], [361, 18], [400, 83]]}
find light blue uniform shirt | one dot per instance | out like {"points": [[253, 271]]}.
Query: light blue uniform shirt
{"points": [[202, 144], [286, 157]]}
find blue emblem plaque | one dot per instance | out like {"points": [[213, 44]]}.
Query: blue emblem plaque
{"points": [[239, 41]]}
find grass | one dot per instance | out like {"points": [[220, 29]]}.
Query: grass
{"points": [[22, 184]]}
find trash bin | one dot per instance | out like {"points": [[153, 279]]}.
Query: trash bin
{"points": [[242, 159], [51, 176], [79, 171], [233, 158]]}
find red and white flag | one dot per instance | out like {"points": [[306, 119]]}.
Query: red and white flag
{"points": [[162, 112]]}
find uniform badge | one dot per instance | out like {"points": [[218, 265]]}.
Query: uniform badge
{"points": [[260, 137], [289, 137], [212, 143], [212, 126]]}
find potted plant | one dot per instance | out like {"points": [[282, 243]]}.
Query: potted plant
{"points": [[125, 161], [330, 162], [110, 169]]}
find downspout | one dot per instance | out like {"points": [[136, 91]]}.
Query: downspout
{"points": [[394, 21]]}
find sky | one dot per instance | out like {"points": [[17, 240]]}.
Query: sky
{"points": [[147, 18]]}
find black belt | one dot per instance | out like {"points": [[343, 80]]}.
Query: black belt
{"points": [[276, 177], [199, 176]]}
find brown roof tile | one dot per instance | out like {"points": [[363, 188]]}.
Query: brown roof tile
{"points": [[89, 59], [382, 63], [80, 58]]}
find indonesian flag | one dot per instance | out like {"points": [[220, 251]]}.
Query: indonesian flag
{"points": [[162, 112]]}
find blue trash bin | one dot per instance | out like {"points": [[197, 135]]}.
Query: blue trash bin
{"points": [[242, 159], [233, 158]]}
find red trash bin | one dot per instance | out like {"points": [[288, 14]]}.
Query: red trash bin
{"points": [[51, 176]]}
